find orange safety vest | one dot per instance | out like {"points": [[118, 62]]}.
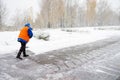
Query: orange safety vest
{"points": [[24, 34]]}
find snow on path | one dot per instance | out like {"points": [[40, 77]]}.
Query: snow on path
{"points": [[58, 39], [94, 61]]}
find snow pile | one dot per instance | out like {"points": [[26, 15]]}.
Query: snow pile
{"points": [[39, 34]]}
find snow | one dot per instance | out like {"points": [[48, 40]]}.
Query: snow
{"points": [[58, 39], [8, 42]]}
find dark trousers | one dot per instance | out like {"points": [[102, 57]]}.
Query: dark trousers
{"points": [[22, 49]]}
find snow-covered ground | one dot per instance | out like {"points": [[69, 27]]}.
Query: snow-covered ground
{"points": [[59, 38]]}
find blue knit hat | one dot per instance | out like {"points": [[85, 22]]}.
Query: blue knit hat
{"points": [[27, 24]]}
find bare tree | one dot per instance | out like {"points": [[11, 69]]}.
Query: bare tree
{"points": [[70, 13], [45, 13], [28, 16], [3, 13], [81, 19], [18, 20], [21, 18], [104, 13], [51, 14], [91, 12], [119, 15]]}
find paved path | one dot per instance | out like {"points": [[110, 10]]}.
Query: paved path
{"points": [[99, 60]]}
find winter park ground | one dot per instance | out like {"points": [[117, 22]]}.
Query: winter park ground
{"points": [[70, 54]]}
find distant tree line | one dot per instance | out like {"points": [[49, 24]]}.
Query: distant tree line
{"points": [[63, 13], [66, 13]]}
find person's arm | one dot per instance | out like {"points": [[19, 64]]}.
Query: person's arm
{"points": [[30, 33]]}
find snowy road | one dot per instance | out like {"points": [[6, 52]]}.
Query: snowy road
{"points": [[99, 60]]}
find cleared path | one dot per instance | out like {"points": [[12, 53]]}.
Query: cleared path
{"points": [[99, 60]]}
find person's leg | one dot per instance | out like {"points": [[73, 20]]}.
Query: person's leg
{"points": [[20, 51], [24, 51]]}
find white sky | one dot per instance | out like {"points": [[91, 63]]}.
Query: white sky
{"points": [[19, 6], [13, 5], [114, 3]]}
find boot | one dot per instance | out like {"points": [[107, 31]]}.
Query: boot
{"points": [[18, 55], [25, 55], [19, 58]]}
